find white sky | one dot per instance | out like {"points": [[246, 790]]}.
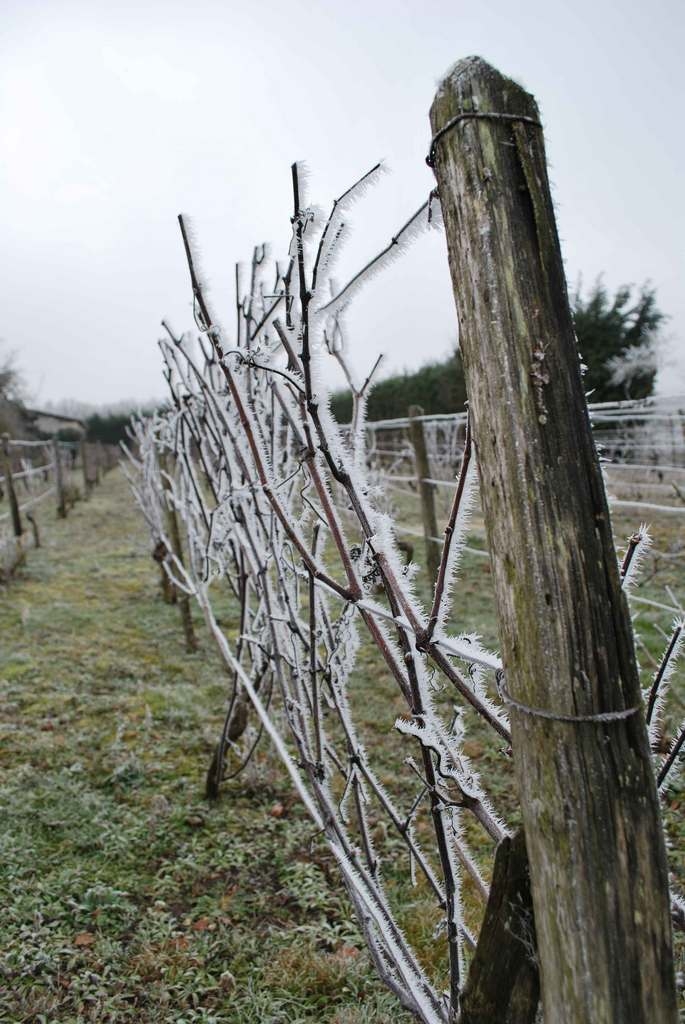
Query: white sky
{"points": [[115, 118]]}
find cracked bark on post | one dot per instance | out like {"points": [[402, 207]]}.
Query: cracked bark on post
{"points": [[589, 803]]}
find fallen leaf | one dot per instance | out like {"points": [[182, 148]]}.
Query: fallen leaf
{"points": [[84, 939], [201, 925], [347, 952]]}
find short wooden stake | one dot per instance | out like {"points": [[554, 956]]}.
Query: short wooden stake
{"points": [[160, 554], [177, 548], [34, 526]]}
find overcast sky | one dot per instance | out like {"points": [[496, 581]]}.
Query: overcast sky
{"points": [[116, 117]]}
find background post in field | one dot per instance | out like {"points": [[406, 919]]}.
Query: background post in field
{"points": [[9, 487], [59, 480], [84, 467], [426, 490], [172, 526], [588, 798]]}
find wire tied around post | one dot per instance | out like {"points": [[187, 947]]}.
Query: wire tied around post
{"points": [[473, 115], [553, 716]]}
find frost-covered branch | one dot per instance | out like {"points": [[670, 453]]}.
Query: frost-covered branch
{"points": [[281, 519]]}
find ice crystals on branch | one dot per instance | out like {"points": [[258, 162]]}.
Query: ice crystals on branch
{"points": [[638, 546]]}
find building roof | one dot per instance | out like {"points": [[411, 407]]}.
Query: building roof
{"points": [[35, 413]]}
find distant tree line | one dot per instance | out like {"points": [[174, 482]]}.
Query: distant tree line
{"points": [[618, 338], [107, 427], [618, 341], [110, 428], [437, 387]]}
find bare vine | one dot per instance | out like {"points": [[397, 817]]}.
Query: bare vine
{"points": [[279, 510]]}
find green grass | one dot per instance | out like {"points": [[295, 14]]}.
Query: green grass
{"points": [[127, 897]]}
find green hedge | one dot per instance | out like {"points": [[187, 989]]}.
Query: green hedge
{"points": [[437, 387], [609, 328]]}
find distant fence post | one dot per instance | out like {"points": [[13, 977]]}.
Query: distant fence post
{"points": [[177, 548], [84, 467], [588, 797], [160, 553], [9, 487], [34, 526], [59, 480], [426, 490]]}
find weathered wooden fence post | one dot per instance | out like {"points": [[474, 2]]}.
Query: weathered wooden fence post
{"points": [[426, 490], [177, 548], [9, 487], [59, 480], [588, 797], [160, 555], [84, 468]]}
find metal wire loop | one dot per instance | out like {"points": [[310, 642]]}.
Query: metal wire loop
{"points": [[473, 116]]}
